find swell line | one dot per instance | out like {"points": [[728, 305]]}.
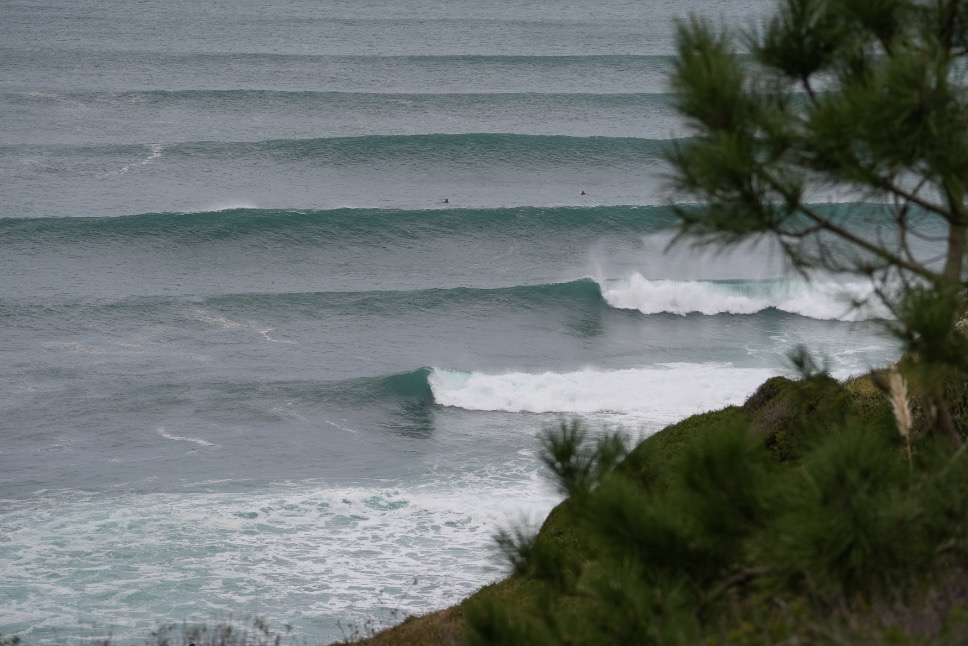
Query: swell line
{"points": [[136, 96], [505, 147], [824, 300], [551, 60], [584, 292], [343, 226]]}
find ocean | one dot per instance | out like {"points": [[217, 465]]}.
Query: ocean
{"points": [[290, 290]]}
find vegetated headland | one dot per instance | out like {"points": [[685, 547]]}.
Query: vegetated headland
{"points": [[817, 512]]}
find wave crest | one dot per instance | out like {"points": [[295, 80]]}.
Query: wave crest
{"points": [[824, 300], [665, 392]]}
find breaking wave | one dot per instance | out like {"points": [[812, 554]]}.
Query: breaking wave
{"points": [[825, 300]]}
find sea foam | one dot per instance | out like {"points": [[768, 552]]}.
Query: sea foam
{"points": [[661, 393], [305, 554], [825, 300]]}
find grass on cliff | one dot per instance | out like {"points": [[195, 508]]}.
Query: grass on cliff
{"points": [[799, 517]]}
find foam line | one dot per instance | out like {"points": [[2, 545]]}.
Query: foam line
{"points": [[664, 392], [163, 432]]}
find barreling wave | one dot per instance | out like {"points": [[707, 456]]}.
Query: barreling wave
{"points": [[404, 386], [337, 226], [251, 97], [825, 300]]}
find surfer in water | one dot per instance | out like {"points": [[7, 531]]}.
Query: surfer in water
{"points": [[584, 193], [446, 201]]}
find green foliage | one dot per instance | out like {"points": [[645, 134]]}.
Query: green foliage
{"points": [[809, 514], [928, 324], [790, 415], [494, 625], [624, 518], [865, 97], [839, 530], [579, 466], [723, 485], [647, 464], [705, 533]]}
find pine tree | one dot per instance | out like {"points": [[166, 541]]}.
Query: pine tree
{"points": [[806, 515], [865, 98]]}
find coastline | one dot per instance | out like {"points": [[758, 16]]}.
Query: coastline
{"points": [[775, 412]]}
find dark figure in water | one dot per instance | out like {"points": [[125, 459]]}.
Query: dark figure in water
{"points": [[584, 193], [446, 201]]}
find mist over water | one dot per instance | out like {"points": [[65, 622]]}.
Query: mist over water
{"points": [[289, 293]]}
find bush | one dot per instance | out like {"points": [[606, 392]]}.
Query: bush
{"points": [[706, 532]]}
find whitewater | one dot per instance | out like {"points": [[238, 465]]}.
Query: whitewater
{"points": [[290, 293]]}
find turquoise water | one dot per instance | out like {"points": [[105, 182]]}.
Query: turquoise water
{"points": [[289, 292]]}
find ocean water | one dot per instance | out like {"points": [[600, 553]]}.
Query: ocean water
{"points": [[289, 290]]}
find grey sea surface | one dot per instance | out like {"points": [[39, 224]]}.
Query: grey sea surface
{"points": [[289, 291]]}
